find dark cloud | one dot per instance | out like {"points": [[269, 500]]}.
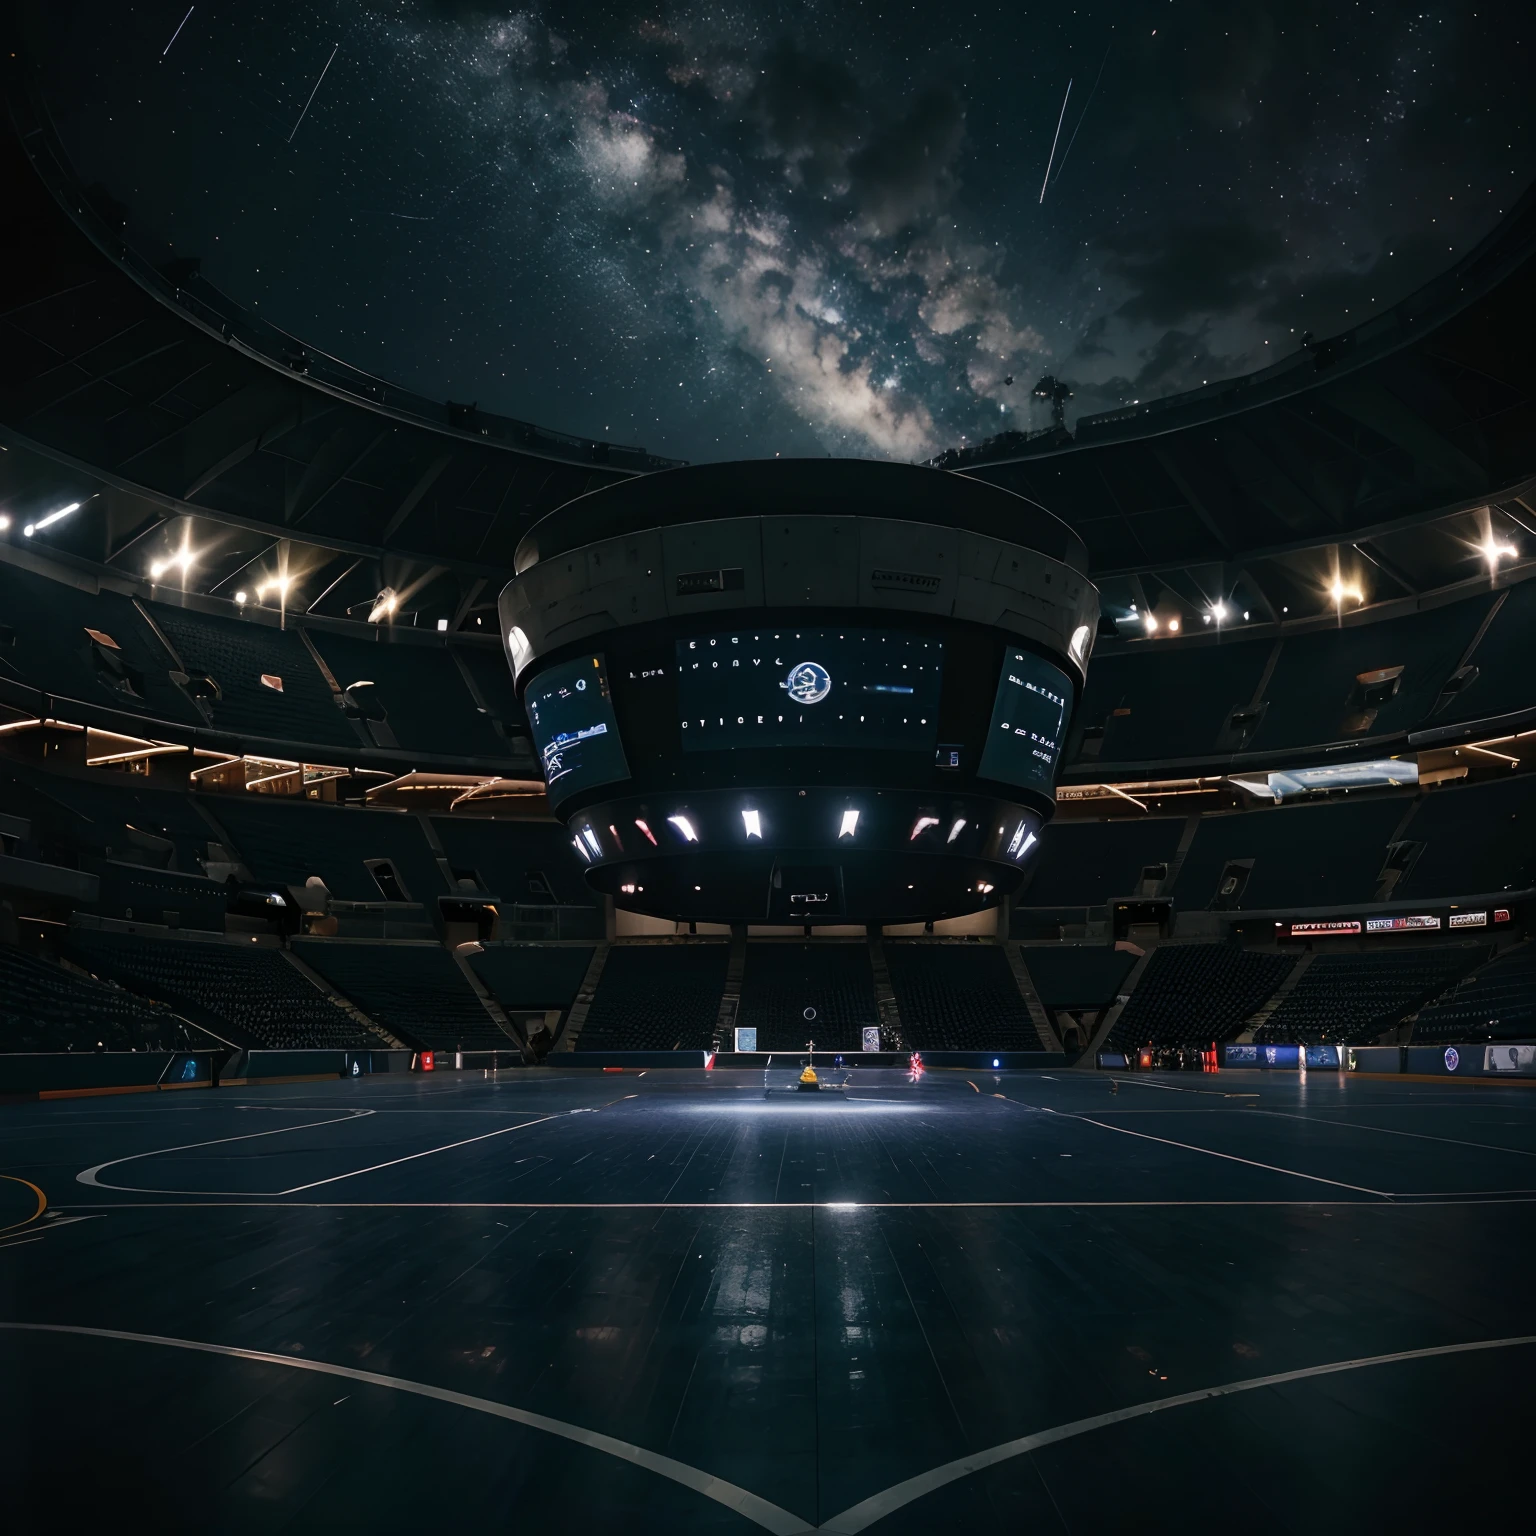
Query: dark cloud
{"points": [[808, 110], [1180, 360], [907, 170], [1216, 267], [1328, 301]]}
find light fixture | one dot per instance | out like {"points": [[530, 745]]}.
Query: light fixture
{"points": [[442, 626], [994, 1061], [650, 836], [850, 824], [5, 522], [384, 605], [1173, 626], [1218, 610], [53, 517], [685, 827], [1494, 551], [753, 822], [240, 597], [956, 829], [592, 842], [1245, 613], [1149, 623], [581, 848], [921, 825], [1340, 593], [277, 584]]}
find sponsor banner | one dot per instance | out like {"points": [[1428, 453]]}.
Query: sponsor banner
{"points": [[1324, 930], [1501, 915], [1241, 1055], [1324, 1056], [1467, 920], [871, 1037], [746, 1037], [1115, 1060], [1452, 1058], [1279, 1055], [1519, 1060], [1417, 922]]}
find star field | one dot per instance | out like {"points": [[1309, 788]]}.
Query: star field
{"points": [[728, 230]]}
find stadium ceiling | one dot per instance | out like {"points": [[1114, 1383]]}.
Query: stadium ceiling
{"points": [[1386, 461]]}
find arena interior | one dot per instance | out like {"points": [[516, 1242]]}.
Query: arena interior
{"points": [[545, 987]]}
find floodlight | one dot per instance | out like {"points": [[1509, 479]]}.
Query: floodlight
{"points": [[850, 824], [921, 825], [684, 826], [753, 822]]}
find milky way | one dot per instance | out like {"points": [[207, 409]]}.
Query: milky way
{"points": [[728, 230]]}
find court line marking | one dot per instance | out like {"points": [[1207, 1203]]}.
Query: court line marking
{"points": [[42, 1203], [91, 1175], [1228, 1156], [759, 1510], [1386, 1130], [299, 1189], [1426, 1198], [859, 1517]]}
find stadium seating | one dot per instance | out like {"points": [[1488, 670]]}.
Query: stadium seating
{"points": [[1497, 1002], [100, 812], [958, 997], [44, 1007], [1304, 856], [123, 668], [237, 654], [657, 997], [286, 841], [1478, 840], [782, 980], [1077, 975], [507, 857], [414, 989], [426, 703], [533, 976], [1086, 863], [1169, 702], [1312, 693], [487, 666], [251, 989], [1503, 682], [1194, 993], [1353, 998]]}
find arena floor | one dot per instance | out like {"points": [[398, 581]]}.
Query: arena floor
{"points": [[669, 1303]]}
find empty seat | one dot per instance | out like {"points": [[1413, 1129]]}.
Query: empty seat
{"points": [[250, 989], [959, 997], [415, 989], [1497, 1002], [1194, 993], [782, 981], [657, 997]]}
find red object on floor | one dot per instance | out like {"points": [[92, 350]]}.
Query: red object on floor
{"points": [[428, 1061], [613, 1069]]}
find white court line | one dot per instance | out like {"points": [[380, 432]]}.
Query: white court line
{"points": [[430, 1152], [771, 1517], [1383, 1130], [1227, 1156], [749, 1505], [862, 1515], [90, 1175]]}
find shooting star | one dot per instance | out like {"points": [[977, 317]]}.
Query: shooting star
{"points": [[1059, 120], [1091, 94], [328, 62], [177, 33]]}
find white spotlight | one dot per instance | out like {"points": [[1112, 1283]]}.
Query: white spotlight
{"points": [[753, 822], [53, 517], [921, 825], [592, 842], [157, 570], [956, 830], [850, 824], [5, 522], [684, 826], [240, 597], [581, 848]]}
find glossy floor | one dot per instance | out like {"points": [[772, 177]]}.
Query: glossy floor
{"points": [[670, 1302]]}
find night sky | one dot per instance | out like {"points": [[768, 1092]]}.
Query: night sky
{"points": [[728, 229]]}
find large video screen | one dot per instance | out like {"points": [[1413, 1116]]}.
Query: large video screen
{"points": [[1029, 723], [571, 711], [809, 688]]}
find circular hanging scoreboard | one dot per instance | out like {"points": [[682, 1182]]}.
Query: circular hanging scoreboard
{"points": [[797, 691]]}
